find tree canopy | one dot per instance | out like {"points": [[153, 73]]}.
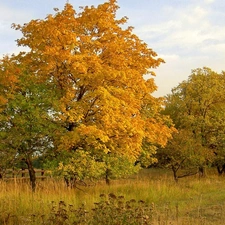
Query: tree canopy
{"points": [[97, 70], [197, 107], [85, 73]]}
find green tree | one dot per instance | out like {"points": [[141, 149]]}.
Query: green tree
{"points": [[27, 128], [197, 106], [183, 155]]}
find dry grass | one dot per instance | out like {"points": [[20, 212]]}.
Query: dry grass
{"points": [[190, 201]]}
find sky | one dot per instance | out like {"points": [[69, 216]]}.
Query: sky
{"points": [[187, 34]]}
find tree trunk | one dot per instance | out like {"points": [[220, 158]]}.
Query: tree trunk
{"points": [[23, 173], [31, 173], [201, 171], [107, 173], [221, 170], [174, 169]]}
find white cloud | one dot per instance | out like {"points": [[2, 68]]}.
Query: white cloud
{"points": [[170, 58], [186, 31], [188, 40], [209, 1]]}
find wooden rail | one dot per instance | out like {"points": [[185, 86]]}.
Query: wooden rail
{"points": [[22, 174]]}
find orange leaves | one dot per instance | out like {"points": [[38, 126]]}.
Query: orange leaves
{"points": [[8, 79], [95, 69], [158, 131]]}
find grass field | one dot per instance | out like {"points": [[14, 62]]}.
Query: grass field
{"points": [[151, 197]]}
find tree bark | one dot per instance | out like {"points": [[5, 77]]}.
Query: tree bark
{"points": [[107, 174], [31, 173], [174, 169], [221, 170], [201, 171]]}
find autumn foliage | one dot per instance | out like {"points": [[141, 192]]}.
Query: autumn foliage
{"points": [[93, 70]]}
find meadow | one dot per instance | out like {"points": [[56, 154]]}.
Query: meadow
{"points": [[151, 197]]}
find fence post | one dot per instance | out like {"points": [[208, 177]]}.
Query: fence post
{"points": [[23, 172]]}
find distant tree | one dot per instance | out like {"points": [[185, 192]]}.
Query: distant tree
{"points": [[197, 106]]}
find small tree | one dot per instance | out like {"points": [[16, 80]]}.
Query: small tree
{"points": [[183, 155], [81, 166]]}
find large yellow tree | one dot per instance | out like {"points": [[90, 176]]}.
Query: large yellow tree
{"points": [[95, 67]]}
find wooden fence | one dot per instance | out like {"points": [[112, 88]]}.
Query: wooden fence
{"points": [[22, 174]]}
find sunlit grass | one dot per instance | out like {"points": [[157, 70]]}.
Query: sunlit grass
{"points": [[191, 199]]}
